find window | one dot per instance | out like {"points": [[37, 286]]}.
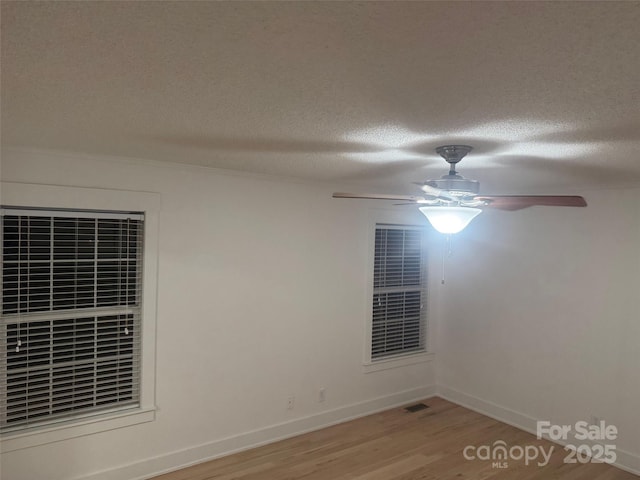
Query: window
{"points": [[399, 292], [71, 314]]}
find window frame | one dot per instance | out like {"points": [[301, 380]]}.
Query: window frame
{"points": [[412, 219], [79, 198], [77, 335]]}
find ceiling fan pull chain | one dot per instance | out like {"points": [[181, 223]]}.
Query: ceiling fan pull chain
{"points": [[446, 254]]}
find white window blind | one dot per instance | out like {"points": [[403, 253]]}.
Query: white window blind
{"points": [[399, 292], [70, 330]]}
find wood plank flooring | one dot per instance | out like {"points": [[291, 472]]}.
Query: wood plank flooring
{"points": [[397, 445]]}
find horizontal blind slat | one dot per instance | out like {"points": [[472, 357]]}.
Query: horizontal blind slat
{"points": [[398, 317], [70, 313]]}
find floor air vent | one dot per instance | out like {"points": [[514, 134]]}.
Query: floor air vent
{"points": [[416, 408]]}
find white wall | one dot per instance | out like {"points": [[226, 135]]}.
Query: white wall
{"points": [[262, 293], [540, 317]]}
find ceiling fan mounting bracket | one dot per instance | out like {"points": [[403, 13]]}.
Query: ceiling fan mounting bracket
{"points": [[453, 153]]}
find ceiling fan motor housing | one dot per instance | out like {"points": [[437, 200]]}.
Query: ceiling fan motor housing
{"points": [[456, 185]]}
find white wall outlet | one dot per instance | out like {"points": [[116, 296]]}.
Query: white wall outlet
{"points": [[322, 394], [291, 401]]}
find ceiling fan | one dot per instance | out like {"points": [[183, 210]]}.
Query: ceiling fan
{"points": [[452, 201]]}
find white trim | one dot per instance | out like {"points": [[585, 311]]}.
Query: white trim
{"points": [[179, 459], [77, 213], [76, 428], [61, 197], [397, 362], [627, 461]]}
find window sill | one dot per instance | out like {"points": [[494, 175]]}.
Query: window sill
{"points": [[397, 362], [64, 431]]}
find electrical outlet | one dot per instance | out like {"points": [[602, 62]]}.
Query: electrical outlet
{"points": [[291, 401], [321, 394]]}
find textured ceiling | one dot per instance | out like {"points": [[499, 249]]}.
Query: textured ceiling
{"points": [[347, 92]]}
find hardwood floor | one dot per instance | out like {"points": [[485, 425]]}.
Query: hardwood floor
{"points": [[397, 445]]}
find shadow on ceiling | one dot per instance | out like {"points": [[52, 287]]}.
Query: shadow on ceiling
{"points": [[614, 133], [265, 145], [569, 169]]}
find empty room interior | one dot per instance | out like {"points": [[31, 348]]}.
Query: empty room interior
{"points": [[320, 240]]}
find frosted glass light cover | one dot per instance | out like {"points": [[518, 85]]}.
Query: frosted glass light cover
{"points": [[450, 219]]}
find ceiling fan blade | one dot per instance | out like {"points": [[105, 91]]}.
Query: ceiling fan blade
{"points": [[518, 202], [379, 196]]}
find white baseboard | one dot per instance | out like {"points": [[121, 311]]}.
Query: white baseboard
{"points": [[627, 461], [150, 467]]}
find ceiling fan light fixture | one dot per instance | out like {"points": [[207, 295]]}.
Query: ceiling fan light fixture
{"points": [[450, 219]]}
